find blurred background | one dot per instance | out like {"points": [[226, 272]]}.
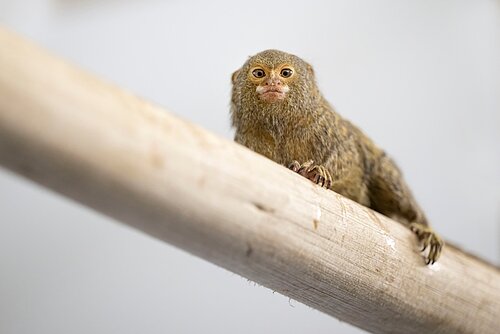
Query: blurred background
{"points": [[421, 77]]}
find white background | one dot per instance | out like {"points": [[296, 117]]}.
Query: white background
{"points": [[421, 77]]}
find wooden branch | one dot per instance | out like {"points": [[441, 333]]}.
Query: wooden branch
{"points": [[211, 197]]}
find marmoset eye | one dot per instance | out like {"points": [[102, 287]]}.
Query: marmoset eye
{"points": [[286, 72], [259, 73]]}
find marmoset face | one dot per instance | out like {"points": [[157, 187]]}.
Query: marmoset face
{"points": [[271, 77], [272, 83]]}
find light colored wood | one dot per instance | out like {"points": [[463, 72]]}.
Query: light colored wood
{"points": [[213, 198]]}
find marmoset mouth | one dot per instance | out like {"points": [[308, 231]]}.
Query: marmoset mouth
{"points": [[272, 93], [273, 89]]}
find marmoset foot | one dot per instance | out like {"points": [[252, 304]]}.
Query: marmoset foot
{"points": [[430, 239], [316, 173]]}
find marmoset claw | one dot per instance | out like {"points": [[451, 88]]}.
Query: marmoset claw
{"points": [[430, 239], [316, 173]]}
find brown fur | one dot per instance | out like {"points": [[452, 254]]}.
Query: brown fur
{"points": [[304, 126]]}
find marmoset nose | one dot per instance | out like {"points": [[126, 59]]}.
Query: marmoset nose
{"points": [[273, 82]]}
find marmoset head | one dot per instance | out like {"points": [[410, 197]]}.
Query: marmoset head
{"points": [[273, 77]]}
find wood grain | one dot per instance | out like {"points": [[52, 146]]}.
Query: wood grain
{"points": [[139, 164]]}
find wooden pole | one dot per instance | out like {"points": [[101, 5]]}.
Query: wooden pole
{"points": [[135, 162]]}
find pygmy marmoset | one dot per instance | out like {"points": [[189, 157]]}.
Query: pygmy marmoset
{"points": [[278, 111]]}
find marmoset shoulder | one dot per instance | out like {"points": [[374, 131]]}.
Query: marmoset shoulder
{"points": [[278, 111]]}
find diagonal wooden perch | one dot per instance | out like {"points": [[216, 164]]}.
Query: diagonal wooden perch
{"points": [[177, 182]]}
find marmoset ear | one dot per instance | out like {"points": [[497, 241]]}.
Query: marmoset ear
{"points": [[310, 69], [235, 75]]}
